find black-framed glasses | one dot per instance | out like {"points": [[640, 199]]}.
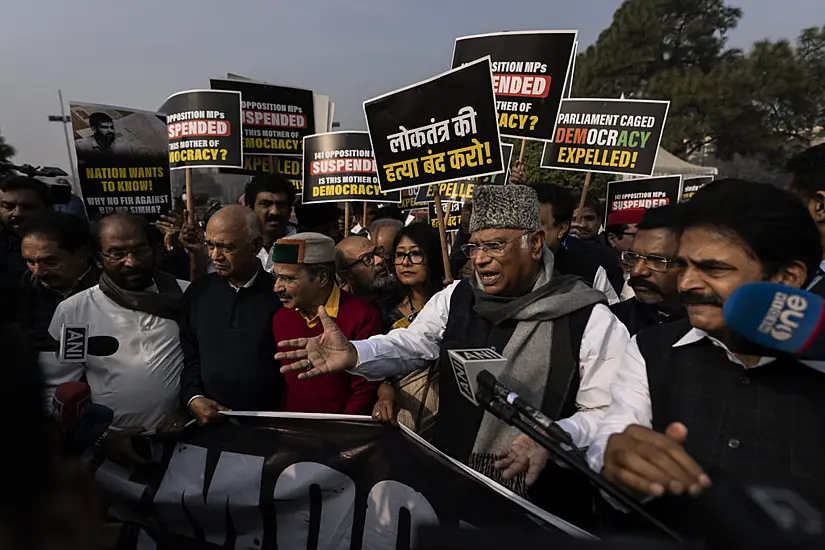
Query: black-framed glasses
{"points": [[416, 257], [119, 255], [368, 258], [493, 248], [652, 262]]}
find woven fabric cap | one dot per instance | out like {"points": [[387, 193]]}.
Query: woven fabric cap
{"points": [[303, 248], [509, 206]]}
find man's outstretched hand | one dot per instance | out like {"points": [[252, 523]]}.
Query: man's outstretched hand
{"points": [[653, 464], [329, 352]]}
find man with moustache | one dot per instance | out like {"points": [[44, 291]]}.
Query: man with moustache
{"points": [[807, 182], [226, 328], [140, 307], [653, 269], [363, 268], [304, 271], [21, 198], [688, 407], [271, 197], [103, 135]]}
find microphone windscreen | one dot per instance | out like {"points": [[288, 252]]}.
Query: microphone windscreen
{"points": [[102, 346], [70, 402], [779, 317]]}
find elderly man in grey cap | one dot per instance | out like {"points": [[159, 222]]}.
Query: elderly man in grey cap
{"points": [[515, 304]]}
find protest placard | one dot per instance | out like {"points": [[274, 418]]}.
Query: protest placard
{"points": [[289, 167], [452, 215], [204, 128], [529, 73], [459, 191], [275, 119], [615, 136], [642, 193], [341, 167], [691, 185], [122, 160], [409, 200], [441, 129]]}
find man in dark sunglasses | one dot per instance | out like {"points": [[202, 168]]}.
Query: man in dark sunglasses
{"points": [[653, 272]]}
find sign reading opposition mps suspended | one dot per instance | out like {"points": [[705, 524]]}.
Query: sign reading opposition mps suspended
{"points": [[204, 129], [340, 167], [529, 73], [275, 119], [642, 193], [615, 136], [441, 129]]}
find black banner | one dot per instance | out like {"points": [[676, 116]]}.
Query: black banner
{"points": [[341, 167], [409, 200], [691, 185], [290, 168], [275, 119], [441, 129], [529, 73], [615, 136], [122, 160], [459, 191], [452, 215], [204, 129], [642, 193], [288, 483]]}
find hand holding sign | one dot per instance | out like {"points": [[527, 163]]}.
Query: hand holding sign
{"points": [[329, 352]]}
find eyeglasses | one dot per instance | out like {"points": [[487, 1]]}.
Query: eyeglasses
{"points": [[493, 248], [654, 263], [368, 258], [416, 257], [117, 255]]}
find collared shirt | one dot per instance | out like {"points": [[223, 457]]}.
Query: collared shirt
{"points": [[264, 254], [247, 284], [603, 345], [631, 393], [820, 273], [140, 381], [331, 306]]}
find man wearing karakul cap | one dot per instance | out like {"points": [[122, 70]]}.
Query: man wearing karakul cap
{"points": [[303, 266], [515, 304]]}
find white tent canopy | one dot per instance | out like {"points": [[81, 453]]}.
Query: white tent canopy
{"points": [[668, 164]]}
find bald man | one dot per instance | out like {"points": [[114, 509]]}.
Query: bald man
{"points": [[367, 273], [226, 329]]}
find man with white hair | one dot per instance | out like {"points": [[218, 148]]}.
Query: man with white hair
{"points": [[226, 330]]}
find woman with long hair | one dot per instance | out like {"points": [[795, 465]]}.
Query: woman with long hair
{"points": [[413, 399]]}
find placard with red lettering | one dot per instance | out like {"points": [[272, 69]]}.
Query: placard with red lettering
{"points": [[614, 136], [204, 129], [340, 166], [275, 119], [530, 69], [642, 193]]}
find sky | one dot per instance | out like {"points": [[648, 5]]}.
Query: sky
{"points": [[137, 53]]}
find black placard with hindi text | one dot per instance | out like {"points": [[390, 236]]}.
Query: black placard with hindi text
{"points": [[452, 215], [442, 129]]}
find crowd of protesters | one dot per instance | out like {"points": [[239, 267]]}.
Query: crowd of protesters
{"points": [[614, 328]]}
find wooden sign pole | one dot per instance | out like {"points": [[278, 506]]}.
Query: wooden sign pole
{"points": [[521, 153], [346, 219], [439, 213], [364, 217], [190, 207], [584, 196]]}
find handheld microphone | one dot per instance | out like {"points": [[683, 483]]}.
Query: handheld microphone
{"points": [[468, 363], [76, 345], [81, 422], [488, 382], [778, 317]]}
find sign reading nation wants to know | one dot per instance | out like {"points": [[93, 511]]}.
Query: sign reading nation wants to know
{"points": [[642, 193], [275, 119], [615, 136], [204, 129], [340, 167], [439, 130], [529, 73], [122, 160]]}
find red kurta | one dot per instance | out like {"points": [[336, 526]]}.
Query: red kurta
{"points": [[340, 392]]}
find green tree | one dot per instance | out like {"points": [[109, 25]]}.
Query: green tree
{"points": [[6, 152]]}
